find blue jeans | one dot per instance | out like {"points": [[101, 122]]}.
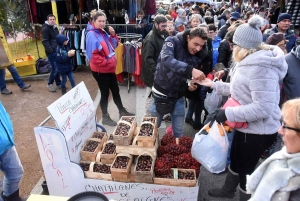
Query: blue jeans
{"points": [[13, 71], [64, 79], [54, 75], [177, 116], [230, 138], [12, 168], [195, 106]]}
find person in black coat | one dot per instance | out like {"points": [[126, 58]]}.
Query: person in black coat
{"points": [[234, 16]]}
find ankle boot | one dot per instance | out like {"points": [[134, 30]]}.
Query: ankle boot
{"points": [[63, 90], [107, 120], [243, 194], [124, 112], [228, 189], [13, 197]]}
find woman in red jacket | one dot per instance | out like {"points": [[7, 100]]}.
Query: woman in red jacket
{"points": [[100, 48]]}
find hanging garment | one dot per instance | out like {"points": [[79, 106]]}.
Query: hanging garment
{"points": [[119, 54]]}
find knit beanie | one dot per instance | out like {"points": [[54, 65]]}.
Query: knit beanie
{"points": [[180, 11], [283, 16], [249, 35]]}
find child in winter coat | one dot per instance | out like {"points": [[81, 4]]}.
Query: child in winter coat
{"points": [[63, 61]]}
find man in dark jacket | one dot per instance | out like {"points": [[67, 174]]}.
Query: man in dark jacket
{"points": [[151, 48], [283, 26], [291, 82], [179, 59], [234, 16], [49, 33], [223, 18]]}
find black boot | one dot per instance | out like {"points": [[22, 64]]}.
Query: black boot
{"points": [[243, 195], [13, 197], [123, 112], [63, 90], [107, 120], [228, 189]]}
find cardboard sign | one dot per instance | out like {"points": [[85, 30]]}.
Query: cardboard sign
{"points": [[74, 116]]}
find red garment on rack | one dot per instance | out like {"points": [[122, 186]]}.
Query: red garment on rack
{"points": [[138, 68], [120, 78]]}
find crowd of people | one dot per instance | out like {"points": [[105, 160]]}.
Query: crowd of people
{"points": [[190, 51]]}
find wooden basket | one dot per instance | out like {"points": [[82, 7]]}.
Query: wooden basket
{"points": [[177, 182], [91, 156], [104, 138], [134, 124], [106, 158], [136, 150], [86, 173], [131, 177], [97, 175], [123, 140], [147, 141], [145, 176], [119, 174], [155, 118]]}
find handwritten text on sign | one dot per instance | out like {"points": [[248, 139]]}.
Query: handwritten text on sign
{"points": [[72, 109]]}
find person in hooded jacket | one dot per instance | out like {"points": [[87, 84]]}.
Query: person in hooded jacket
{"points": [[100, 48], [63, 62], [254, 84], [223, 18], [9, 160], [181, 20], [180, 59]]}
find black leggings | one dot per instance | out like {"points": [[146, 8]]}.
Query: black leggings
{"points": [[246, 150], [105, 82]]}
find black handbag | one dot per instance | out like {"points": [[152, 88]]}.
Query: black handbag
{"points": [[164, 105]]}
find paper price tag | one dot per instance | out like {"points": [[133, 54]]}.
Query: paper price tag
{"points": [[175, 171]]}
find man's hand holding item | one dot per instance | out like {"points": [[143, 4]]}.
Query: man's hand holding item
{"points": [[198, 75]]}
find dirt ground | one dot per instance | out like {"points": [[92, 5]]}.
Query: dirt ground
{"points": [[28, 109]]}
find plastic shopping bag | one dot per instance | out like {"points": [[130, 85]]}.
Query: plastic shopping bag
{"points": [[212, 101], [169, 130], [211, 150]]}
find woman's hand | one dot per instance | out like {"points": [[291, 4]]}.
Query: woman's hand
{"points": [[220, 74], [207, 82], [111, 31]]}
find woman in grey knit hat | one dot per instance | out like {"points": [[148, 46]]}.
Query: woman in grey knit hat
{"points": [[254, 84]]}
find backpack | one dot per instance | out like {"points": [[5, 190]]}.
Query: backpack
{"points": [[43, 66]]}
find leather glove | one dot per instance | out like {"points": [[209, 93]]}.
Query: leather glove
{"points": [[218, 115]]}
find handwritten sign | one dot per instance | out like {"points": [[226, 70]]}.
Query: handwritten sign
{"points": [[74, 116]]}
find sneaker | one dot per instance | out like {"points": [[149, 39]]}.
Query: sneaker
{"points": [[167, 118], [124, 112], [26, 86], [107, 120], [6, 91], [51, 88]]}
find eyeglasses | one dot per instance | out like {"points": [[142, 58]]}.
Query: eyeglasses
{"points": [[290, 128]]}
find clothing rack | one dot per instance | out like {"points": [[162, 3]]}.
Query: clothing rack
{"points": [[129, 37]]}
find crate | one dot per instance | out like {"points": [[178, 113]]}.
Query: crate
{"points": [[24, 67], [145, 176], [124, 140], [176, 181], [147, 141], [136, 150], [133, 123], [106, 158], [121, 174], [91, 156], [97, 175]]}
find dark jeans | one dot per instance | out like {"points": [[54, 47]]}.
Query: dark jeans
{"points": [[246, 150], [54, 75], [195, 106], [64, 79], [106, 82]]}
